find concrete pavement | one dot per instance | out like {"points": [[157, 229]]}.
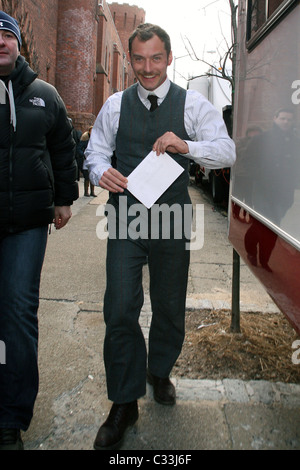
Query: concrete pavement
{"points": [[72, 401]]}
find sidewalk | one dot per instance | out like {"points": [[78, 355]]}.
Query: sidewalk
{"points": [[72, 402]]}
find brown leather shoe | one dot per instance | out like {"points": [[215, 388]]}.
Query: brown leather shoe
{"points": [[111, 433], [163, 389]]}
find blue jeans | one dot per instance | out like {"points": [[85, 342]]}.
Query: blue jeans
{"points": [[21, 261]]}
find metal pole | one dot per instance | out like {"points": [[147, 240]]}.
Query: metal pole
{"points": [[235, 306]]}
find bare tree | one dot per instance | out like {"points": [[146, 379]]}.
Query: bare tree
{"points": [[220, 70]]}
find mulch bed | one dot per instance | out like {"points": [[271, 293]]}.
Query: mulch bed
{"points": [[261, 351]]}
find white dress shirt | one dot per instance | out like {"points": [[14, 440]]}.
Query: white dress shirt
{"points": [[209, 143]]}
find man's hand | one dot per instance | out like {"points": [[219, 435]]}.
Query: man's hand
{"points": [[171, 143], [113, 181], [62, 216]]}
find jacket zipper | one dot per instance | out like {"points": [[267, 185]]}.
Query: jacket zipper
{"points": [[11, 176]]}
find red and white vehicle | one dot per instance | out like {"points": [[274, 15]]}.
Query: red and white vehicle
{"points": [[264, 224]]}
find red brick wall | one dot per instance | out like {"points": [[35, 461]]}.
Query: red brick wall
{"points": [[76, 56], [126, 19], [78, 47], [38, 25], [112, 67]]}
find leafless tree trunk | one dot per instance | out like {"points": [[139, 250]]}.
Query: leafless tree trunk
{"points": [[230, 54]]}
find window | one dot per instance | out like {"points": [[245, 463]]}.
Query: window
{"points": [[256, 16], [263, 15]]}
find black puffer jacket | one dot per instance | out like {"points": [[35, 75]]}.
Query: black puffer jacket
{"points": [[37, 164]]}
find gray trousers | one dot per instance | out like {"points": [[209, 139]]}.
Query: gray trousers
{"points": [[125, 353]]}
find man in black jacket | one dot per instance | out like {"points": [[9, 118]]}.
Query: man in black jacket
{"points": [[37, 187]]}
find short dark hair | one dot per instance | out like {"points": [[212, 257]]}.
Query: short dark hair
{"points": [[146, 31], [285, 110]]}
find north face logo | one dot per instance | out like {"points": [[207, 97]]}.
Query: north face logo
{"points": [[38, 102]]}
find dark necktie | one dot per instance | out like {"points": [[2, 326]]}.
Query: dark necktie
{"points": [[153, 100]]}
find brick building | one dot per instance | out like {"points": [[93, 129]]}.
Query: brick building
{"points": [[126, 18], [80, 47]]}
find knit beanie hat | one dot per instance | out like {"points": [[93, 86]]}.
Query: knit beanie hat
{"points": [[10, 24]]}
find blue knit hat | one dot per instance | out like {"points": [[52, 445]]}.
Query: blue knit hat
{"points": [[10, 24]]}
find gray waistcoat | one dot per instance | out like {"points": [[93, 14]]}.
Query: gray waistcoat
{"points": [[139, 129]]}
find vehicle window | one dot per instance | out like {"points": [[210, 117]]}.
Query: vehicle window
{"points": [[262, 15]]}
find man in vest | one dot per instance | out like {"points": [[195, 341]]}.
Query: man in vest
{"points": [[186, 126]]}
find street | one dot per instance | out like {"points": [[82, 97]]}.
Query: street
{"points": [[72, 401]]}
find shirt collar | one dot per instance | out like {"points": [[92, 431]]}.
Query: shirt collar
{"points": [[161, 91]]}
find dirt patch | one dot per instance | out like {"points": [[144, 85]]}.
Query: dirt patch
{"points": [[262, 351]]}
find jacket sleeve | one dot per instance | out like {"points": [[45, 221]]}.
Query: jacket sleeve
{"points": [[62, 149]]}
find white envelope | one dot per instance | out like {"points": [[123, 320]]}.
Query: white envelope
{"points": [[152, 177]]}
